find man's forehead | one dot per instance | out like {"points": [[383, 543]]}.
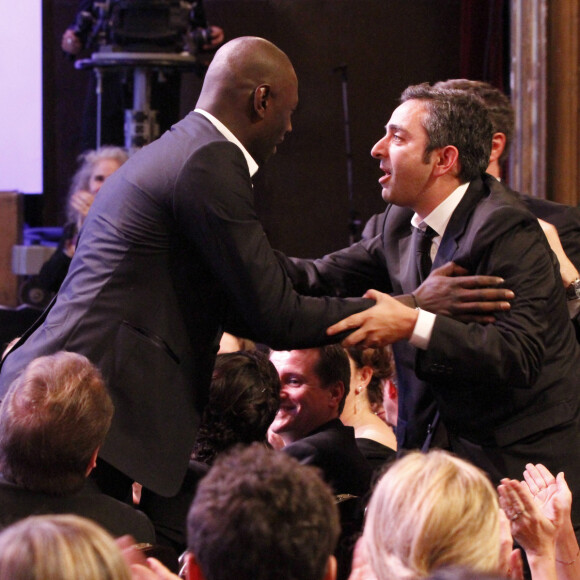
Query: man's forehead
{"points": [[284, 359], [408, 114]]}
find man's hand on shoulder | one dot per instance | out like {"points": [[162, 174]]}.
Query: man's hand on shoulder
{"points": [[386, 322], [450, 292]]}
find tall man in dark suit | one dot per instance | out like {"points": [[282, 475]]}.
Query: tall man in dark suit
{"points": [[506, 391], [172, 253]]}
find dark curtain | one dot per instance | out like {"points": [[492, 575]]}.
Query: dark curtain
{"points": [[485, 46]]}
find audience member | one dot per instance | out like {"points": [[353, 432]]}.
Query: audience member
{"points": [[53, 420], [315, 384], [171, 254], [429, 511], [375, 439], [258, 515], [539, 512], [96, 167], [244, 397], [63, 547]]}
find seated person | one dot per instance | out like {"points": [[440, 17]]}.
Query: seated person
{"points": [[96, 167], [429, 511], [277, 519], [315, 384], [53, 420], [369, 367], [244, 396], [63, 547]]}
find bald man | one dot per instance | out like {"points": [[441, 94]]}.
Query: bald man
{"points": [[170, 255]]}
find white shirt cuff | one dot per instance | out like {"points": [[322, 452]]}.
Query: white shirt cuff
{"points": [[423, 329]]}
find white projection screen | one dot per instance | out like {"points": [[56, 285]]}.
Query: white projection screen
{"points": [[21, 96]]}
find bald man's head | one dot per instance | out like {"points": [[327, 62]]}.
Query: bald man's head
{"points": [[252, 88]]}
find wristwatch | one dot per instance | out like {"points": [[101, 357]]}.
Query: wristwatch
{"points": [[573, 290]]}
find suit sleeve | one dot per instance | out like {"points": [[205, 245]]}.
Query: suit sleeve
{"points": [[348, 272], [214, 209]]}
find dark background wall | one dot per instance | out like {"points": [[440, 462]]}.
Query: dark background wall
{"points": [[302, 195]]}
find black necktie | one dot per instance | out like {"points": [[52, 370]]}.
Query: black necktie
{"points": [[423, 258]]}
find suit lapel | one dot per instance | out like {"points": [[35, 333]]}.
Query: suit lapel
{"points": [[458, 222]]}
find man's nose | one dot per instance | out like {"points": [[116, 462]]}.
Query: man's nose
{"points": [[379, 149]]}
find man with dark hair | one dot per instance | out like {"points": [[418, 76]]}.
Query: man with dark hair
{"points": [[564, 218], [53, 420], [315, 383], [561, 223], [259, 515], [506, 390]]}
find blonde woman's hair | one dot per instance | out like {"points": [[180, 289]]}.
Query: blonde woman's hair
{"points": [[60, 547], [432, 510]]}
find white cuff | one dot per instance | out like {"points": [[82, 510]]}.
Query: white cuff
{"points": [[423, 329]]}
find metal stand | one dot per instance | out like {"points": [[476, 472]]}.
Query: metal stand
{"points": [[141, 125], [355, 223]]}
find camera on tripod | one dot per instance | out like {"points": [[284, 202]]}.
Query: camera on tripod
{"points": [[172, 26]]}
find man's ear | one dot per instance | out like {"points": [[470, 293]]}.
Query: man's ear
{"points": [[498, 142], [261, 96], [447, 160], [330, 573], [192, 568], [336, 391], [92, 462]]}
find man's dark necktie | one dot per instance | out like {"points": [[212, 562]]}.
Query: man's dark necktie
{"points": [[423, 257]]}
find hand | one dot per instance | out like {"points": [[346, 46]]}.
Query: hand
{"points": [[510, 560], [448, 291], [551, 494], [529, 526], [71, 43], [386, 322], [81, 202]]}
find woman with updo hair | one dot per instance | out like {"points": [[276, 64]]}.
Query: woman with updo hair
{"points": [[244, 397], [369, 368]]}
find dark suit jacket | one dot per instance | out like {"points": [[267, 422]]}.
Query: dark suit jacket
{"points": [[17, 503], [333, 449], [170, 253], [566, 220], [508, 391]]}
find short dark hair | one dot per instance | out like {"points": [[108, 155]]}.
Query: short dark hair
{"points": [[244, 397], [455, 118], [52, 419], [258, 515], [499, 107], [333, 367]]}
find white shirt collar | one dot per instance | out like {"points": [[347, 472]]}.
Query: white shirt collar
{"points": [[252, 165], [440, 216]]}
